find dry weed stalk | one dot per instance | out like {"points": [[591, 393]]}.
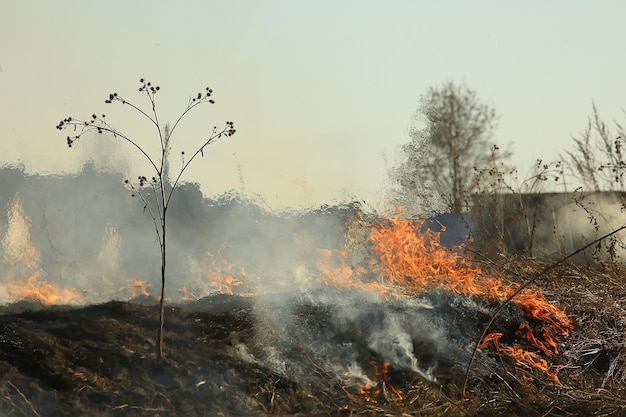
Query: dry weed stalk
{"points": [[160, 186]]}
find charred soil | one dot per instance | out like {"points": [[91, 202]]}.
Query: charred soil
{"points": [[100, 360]]}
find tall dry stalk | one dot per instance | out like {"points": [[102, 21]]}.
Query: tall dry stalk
{"points": [[156, 192]]}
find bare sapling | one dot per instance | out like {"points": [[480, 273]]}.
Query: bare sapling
{"points": [[154, 191]]}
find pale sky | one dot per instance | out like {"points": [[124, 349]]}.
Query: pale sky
{"points": [[322, 93]]}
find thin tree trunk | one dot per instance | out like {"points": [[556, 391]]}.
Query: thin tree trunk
{"points": [[456, 187], [162, 299]]}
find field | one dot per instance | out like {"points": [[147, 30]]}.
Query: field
{"points": [[326, 312], [372, 340]]}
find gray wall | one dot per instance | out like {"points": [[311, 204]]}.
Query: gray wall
{"points": [[546, 224]]}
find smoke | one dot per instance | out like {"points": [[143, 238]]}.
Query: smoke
{"points": [[408, 188], [103, 151], [395, 344], [93, 239], [91, 235], [16, 243], [557, 223], [594, 215], [20, 258]]}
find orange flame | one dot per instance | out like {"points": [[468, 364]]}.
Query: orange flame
{"points": [[338, 274], [414, 259], [32, 288], [188, 295], [372, 393], [522, 357], [23, 256], [221, 275], [137, 287]]}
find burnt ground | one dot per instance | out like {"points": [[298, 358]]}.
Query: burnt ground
{"points": [[100, 360]]}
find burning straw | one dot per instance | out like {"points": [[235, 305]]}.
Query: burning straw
{"points": [[414, 259]]}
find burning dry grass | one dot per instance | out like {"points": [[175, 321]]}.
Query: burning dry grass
{"points": [[592, 361], [383, 326], [414, 259], [100, 360]]}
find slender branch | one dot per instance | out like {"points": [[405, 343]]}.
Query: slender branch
{"points": [[158, 191], [104, 127], [156, 121], [227, 131], [120, 99], [139, 192], [149, 209], [190, 106]]}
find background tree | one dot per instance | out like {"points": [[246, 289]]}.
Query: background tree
{"points": [[450, 143], [156, 192]]}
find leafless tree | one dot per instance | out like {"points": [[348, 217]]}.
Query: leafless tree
{"points": [[451, 142], [155, 192]]}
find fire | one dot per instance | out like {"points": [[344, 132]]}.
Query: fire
{"points": [[224, 284], [414, 259], [23, 256], [222, 275], [187, 294], [522, 357], [337, 274], [32, 288], [16, 243], [372, 393], [137, 288], [402, 260]]}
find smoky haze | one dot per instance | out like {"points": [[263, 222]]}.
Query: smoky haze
{"points": [[92, 235], [552, 224], [84, 233], [88, 235]]}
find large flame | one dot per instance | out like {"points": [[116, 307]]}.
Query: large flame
{"points": [[414, 259]]}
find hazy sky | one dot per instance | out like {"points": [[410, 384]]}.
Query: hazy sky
{"points": [[322, 93]]}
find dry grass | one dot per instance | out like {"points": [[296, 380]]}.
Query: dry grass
{"points": [[101, 360]]}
